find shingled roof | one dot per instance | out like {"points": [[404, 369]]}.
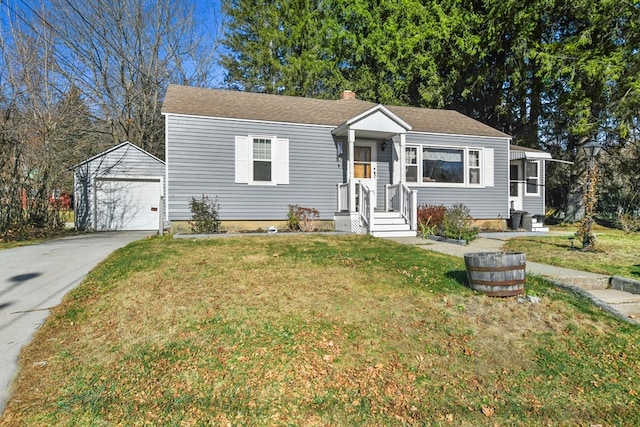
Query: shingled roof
{"points": [[290, 109]]}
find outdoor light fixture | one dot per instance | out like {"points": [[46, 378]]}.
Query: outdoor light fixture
{"points": [[592, 149], [383, 145]]}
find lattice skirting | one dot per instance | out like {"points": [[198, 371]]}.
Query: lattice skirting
{"points": [[356, 225]]}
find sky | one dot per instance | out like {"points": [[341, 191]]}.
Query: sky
{"points": [[208, 18]]}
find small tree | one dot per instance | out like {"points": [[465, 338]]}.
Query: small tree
{"points": [[204, 215]]}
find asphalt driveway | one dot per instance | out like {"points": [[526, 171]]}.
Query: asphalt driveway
{"points": [[34, 279]]}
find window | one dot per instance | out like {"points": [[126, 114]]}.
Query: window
{"points": [[474, 167], [428, 165], [532, 174], [261, 160], [442, 165], [411, 164], [514, 185], [362, 162]]}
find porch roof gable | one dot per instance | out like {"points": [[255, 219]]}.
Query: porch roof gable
{"points": [[377, 120]]}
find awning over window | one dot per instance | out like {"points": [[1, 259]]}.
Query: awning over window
{"points": [[517, 152]]}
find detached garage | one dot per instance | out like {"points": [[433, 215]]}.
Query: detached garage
{"points": [[119, 189]]}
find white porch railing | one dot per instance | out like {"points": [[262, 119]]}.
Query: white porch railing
{"points": [[400, 198], [365, 205]]}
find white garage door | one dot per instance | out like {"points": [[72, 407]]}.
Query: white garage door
{"points": [[127, 204]]}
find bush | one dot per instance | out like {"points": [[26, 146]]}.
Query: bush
{"points": [[302, 219], [629, 222], [431, 216], [452, 223], [457, 223], [204, 215]]}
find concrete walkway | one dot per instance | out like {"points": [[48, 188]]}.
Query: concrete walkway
{"points": [[35, 278], [624, 305]]}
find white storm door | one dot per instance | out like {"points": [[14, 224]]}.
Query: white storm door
{"points": [[516, 186], [365, 166]]}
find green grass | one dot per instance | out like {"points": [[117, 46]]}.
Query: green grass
{"points": [[318, 330], [617, 253]]}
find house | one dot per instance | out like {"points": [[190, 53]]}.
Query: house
{"points": [[364, 166], [119, 189]]}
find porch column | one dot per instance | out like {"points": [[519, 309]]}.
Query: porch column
{"points": [[351, 141], [403, 143]]}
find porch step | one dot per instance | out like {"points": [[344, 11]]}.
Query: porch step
{"points": [[402, 226], [540, 229], [538, 226], [387, 214], [395, 233], [391, 224], [389, 220]]}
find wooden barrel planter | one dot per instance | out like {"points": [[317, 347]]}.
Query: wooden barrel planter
{"points": [[497, 274]]}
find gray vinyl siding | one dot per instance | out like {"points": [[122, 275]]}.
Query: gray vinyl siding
{"points": [[535, 204], [484, 203], [123, 162], [201, 159], [127, 161]]}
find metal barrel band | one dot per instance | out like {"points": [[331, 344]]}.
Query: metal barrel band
{"points": [[499, 283], [492, 269]]}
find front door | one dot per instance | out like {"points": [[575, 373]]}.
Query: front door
{"points": [[365, 166], [515, 186]]}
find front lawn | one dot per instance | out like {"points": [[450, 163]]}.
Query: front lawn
{"points": [[318, 330], [618, 254]]}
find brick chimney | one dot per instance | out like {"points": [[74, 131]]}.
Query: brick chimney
{"points": [[347, 94]]}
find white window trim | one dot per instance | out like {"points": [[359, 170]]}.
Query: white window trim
{"points": [[244, 160], [485, 181], [537, 177], [274, 159]]}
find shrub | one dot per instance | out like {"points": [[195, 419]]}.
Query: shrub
{"points": [[302, 219], [430, 218], [457, 223], [453, 222], [204, 215], [629, 222]]}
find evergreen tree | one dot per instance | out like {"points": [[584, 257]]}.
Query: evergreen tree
{"points": [[554, 74]]}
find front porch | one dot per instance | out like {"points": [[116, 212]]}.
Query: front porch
{"points": [[398, 218], [374, 199]]}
